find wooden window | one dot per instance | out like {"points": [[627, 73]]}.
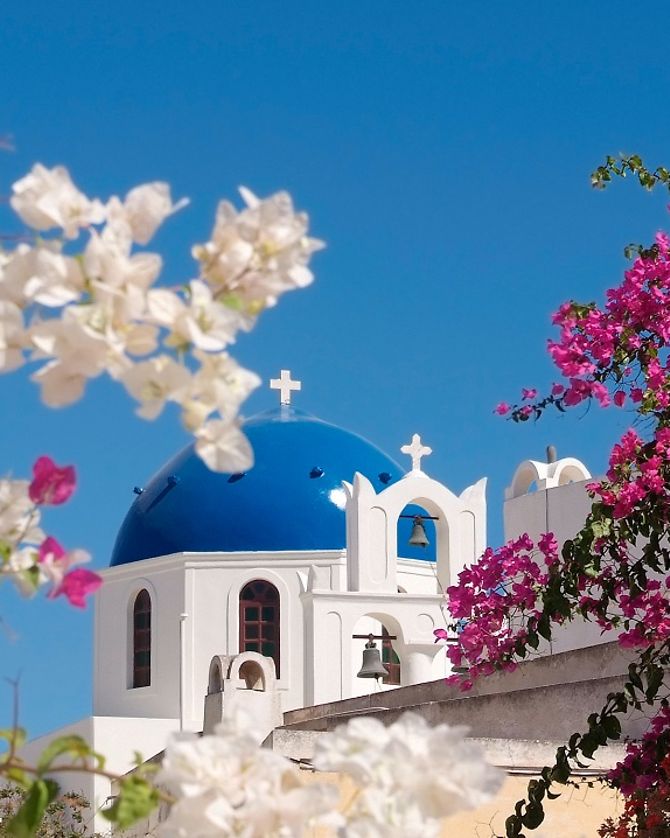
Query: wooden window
{"points": [[142, 640], [259, 620], [390, 660]]}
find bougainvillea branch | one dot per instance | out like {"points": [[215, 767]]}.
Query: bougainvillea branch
{"points": [[615, 571]]}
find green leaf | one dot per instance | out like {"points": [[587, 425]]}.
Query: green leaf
{"points": [[15, 735], [601, 528], [543, 627], [654, 681], [27, 820], [612, 727], [533, 639], [136, 799], [633, 677], [72, 744], [534, 815]]}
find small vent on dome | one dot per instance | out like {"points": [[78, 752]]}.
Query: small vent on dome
{"points": [[317, 471], [172, 480], [237, 476], [137, 490], [385, 477]]}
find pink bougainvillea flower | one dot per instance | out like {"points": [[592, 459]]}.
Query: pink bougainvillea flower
{"points": [[51, 484], [77, 585], [557, 389], [502, 408], [619, 398], [528, 392], [440, 634], [50, 550]]}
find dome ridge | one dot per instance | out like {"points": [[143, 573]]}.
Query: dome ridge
{"points": [[291, 499]]}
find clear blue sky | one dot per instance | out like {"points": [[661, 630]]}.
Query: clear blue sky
{"points": [[442, 150]]}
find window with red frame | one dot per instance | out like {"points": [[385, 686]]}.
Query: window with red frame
{"points": [[259, 620], [142, 639]]}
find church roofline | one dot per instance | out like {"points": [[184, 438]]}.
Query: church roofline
{"points": [[224, 559]]}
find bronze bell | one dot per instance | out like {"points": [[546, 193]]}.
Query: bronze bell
{"points": [[418, 538], [372, 665]]}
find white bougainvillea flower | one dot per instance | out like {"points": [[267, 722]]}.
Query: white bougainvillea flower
{"points": [[220, 384], [227, 785], [223, 447], [42, 275], [109, 263], [16, 268], [155, 382], [144, 209], [78, 351], [96, 311], [410, 775], [55, 280], [201, 321], [12, 336], [19, 517], [258, 253], [47, 198]]}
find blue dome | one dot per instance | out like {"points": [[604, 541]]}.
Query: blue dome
{"points": [[292, 498]]}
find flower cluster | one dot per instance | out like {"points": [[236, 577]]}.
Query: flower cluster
{"points": [[84, 308], [28, 557], [227, 785], [616, 570], [408, 777], [496, 601], [616, 354], [644, 778]]}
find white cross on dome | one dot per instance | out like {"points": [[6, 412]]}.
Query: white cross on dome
{"points": [[285, 385]]}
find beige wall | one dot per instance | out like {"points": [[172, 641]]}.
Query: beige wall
{"points": [[577, 813]]}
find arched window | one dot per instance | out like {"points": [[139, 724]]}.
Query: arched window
{"points": [[390, 660], [259, 620], [142, 639]]}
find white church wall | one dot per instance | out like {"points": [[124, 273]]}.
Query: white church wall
{"points": [[113, 693], [212, 625], [333, 657], [206, 588], [562, 510], [117, 739], [416, 576]]}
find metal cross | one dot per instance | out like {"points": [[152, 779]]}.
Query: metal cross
{"points": [[416, 451], [285, 385]]}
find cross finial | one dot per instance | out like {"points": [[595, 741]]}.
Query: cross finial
{"points": [[285, 385], [416, 451]]}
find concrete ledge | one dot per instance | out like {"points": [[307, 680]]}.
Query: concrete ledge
{"points": [[513, 755], [593, 663]]}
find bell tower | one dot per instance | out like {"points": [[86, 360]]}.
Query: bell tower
{"points": [[372, 540]]}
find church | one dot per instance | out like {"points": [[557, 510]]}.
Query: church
{"points": [[277, 577]]}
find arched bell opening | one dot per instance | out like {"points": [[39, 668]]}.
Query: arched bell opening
{"points": [[384, 658], [572, 473], [525, 479], [417, 534], [252, 675]]}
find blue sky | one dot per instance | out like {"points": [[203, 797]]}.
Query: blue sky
{"points": [[443, 152]]}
